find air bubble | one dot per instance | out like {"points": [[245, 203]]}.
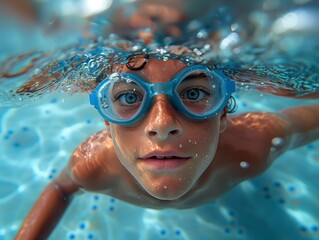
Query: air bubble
{"points": [[136, 48], [234, 27], [161, 51], [202, 34], [277, 142], [197, 52], [244, 164], [93, 65], [165, 58]]}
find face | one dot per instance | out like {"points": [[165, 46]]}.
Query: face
{"points": [[166, 152]]}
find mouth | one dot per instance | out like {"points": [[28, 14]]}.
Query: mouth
{"points": [[164, 161]]}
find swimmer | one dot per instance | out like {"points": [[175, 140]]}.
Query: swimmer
{"points": [[169, 141]]}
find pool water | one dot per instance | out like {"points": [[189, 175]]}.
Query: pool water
{"points": [[37, 140], [263, 45]]}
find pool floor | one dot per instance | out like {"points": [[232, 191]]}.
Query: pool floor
{"points": [[37, 140]]}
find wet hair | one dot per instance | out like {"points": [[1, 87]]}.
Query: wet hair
{"points": [[137, 62], [134, 62], [231, 106]]}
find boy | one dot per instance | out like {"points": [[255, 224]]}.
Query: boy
{"points": [[169, 149]]}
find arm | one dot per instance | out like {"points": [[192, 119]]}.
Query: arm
{"points": [[303, 124], [250, 136], [49, 208], [23, 9]]}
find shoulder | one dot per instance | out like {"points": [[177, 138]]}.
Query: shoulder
{"points": [[89, 164], [261, 124], [255, 138]]}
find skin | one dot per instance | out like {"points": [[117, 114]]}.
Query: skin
{"points": [[221, 152]]}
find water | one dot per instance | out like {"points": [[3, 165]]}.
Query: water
{"points": [[264, 47], [269, 47]]}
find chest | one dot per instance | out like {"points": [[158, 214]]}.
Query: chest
{"points": [[211, 185]]}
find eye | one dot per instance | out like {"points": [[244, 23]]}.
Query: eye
{"points": [[129, 98], [194, 94]]}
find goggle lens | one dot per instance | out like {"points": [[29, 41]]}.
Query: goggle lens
{"points": [[197, 92]]}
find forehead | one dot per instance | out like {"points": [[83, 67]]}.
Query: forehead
{"points": [[156, 70]]}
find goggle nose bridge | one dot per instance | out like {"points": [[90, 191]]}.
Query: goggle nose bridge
{"points": [[166, 88]]}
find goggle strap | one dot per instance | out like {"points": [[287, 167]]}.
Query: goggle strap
{"points": [[94, 99]]}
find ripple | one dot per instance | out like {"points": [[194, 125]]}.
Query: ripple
{"points": [[7, 188], [247, 49]]}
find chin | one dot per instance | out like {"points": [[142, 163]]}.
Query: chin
{"points": [[167, 198], [167, 192]]}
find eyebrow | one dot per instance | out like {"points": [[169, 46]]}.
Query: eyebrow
{"points": [[195, 76]]}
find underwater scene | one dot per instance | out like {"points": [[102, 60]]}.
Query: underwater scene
{"points": [[53, 54]]}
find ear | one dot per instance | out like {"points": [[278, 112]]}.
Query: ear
{"points": [[223, 121], [108, 129]]}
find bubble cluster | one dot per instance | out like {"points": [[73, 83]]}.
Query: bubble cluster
{"points": [[247, 47]]}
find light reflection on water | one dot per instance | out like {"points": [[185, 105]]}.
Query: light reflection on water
{"points": [[269, 45]]}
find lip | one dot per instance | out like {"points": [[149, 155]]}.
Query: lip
{"points": [[164, 160]]}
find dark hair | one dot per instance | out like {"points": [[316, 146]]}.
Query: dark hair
{"points": [[231, 106], [137, 62]]}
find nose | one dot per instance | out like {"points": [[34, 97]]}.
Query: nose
{"points": [[163, 121]]}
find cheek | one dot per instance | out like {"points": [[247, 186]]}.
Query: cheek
{"points": [[206, 132], [127, 142], [123, 142], [122, 135], [204, 140]]}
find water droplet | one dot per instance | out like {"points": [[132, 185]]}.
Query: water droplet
{"points": [[161, 51], [104, 105], [93, 65], [37, 71], [277, 142], [234, 26], [244, 164], [202, 34], [136, 48], [165, 58], [197, 52]]}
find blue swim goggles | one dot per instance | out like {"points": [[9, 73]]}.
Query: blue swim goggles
{"points": [[196, 91]]}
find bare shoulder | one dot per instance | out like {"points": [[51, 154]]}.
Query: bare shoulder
{"points": [[90, 163], [255, 139], [258, 125]]}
